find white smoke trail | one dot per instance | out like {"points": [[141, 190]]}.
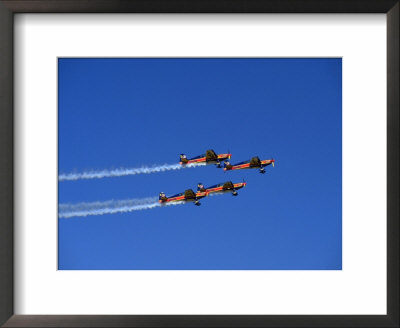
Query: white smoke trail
{"points": [[109, 207], [216, 193], [123, 172]]}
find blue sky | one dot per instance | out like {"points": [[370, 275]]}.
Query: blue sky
{"points": [[132, 112]]}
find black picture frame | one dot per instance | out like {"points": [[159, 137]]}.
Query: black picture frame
{"points": [[10, 7]]}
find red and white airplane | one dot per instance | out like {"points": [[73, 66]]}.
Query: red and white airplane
{"points": [[254, 163], [210, 157], [190, 196], [225, 187], [187, 196]]}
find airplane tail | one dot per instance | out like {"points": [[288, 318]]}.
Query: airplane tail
{"points": [[200, 187], [162, 197], [227, 165], [183, 159]]}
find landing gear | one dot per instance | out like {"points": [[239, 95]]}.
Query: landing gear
{"points": [[218, 165], [197, 203], [262, 170], [235, 193]]}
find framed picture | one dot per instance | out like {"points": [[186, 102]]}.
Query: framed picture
{"points": [[112, 112]]}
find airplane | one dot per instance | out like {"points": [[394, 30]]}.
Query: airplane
{"points": [[255, 162], [187, 196], [210, 157], [190, 196], [224, 187]]}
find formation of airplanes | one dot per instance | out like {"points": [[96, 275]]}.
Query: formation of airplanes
{"points": [[210, 157]]}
